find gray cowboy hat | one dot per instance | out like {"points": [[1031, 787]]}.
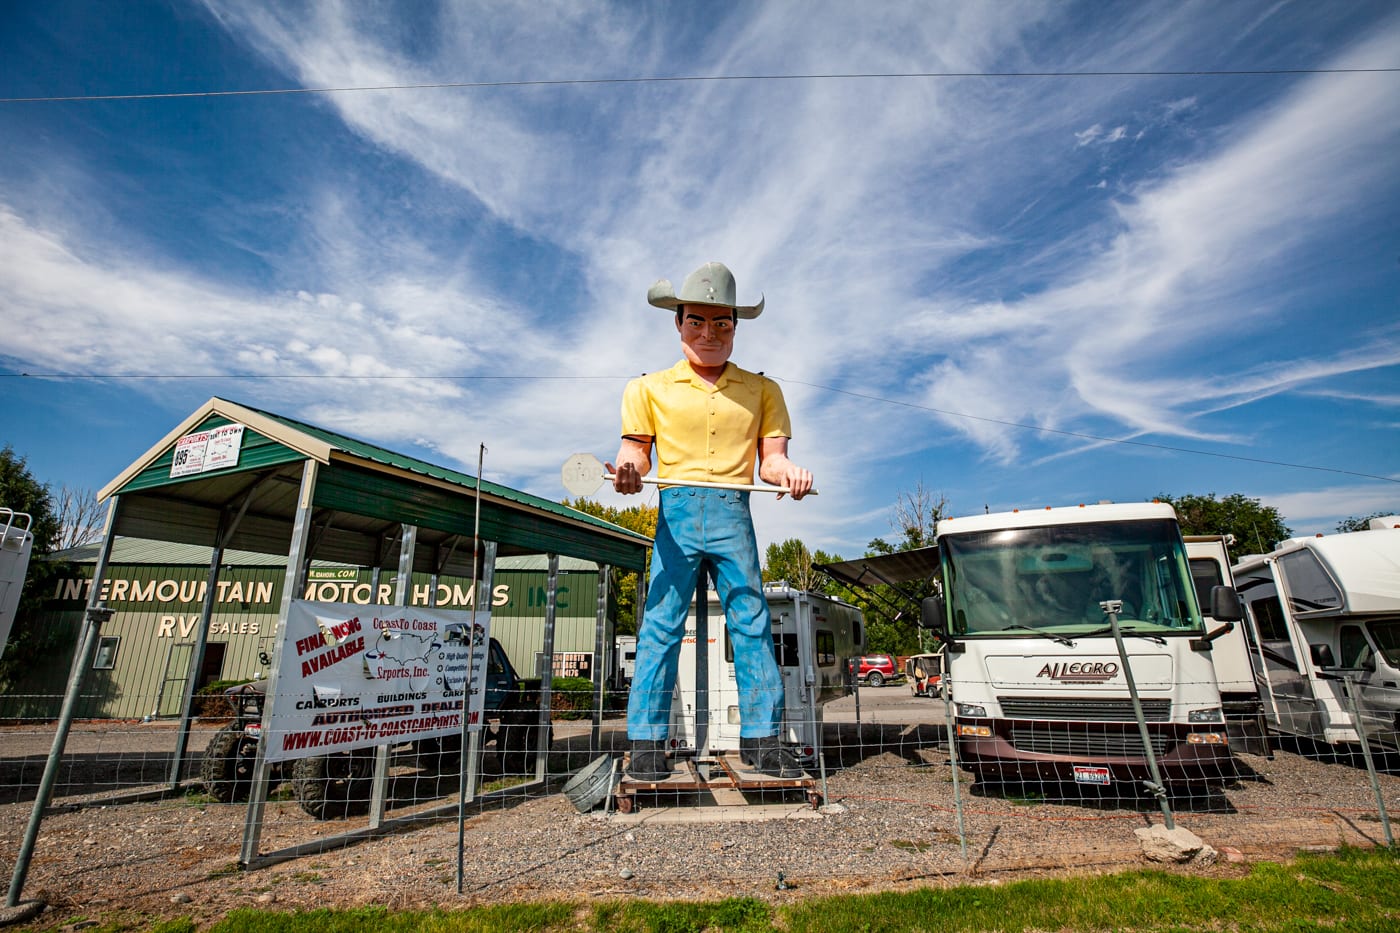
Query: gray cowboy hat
{"points": [[712, 284]]}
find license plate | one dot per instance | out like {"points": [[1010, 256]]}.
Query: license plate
{"points": [[1087, 774]]}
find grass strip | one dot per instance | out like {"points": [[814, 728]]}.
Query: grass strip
{"points": [[1347, 891]]}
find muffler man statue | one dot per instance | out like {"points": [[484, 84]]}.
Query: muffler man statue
{"points": [[708, 420]]}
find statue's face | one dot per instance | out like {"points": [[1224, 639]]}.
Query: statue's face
{"points": [[707, 334]]}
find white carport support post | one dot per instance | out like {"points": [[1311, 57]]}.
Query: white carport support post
{"points": [[403, 585], [223, 534], [93, 618], [296, 560], [547, 672], [471, 749], [604, 646]]}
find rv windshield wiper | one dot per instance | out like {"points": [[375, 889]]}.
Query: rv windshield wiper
{"points": [[1044, 634], [1108, 630]]}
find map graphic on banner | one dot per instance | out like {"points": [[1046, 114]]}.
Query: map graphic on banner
{"points": [[354, 676]]}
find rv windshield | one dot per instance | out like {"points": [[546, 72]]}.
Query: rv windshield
{"points": [[1387, 636], [1053, 579]]}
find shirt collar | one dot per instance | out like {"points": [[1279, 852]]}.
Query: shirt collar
{"points": [[682, 372]]}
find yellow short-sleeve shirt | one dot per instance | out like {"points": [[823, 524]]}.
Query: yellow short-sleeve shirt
{"points": [[705, 432]]}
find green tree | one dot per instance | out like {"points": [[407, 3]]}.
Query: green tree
{"points": [[793, 562], [623, 584], [1359, 524], [1257, 528], [892, 613], [20, 491]]}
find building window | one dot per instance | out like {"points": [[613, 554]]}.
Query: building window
{"points": [[106, 653]]}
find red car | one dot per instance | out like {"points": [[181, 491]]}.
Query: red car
{"points": [[875, 669]]}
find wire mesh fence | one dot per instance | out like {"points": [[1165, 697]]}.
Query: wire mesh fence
{"points": [[885, 796]]}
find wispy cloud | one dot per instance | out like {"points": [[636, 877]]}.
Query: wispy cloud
{"points": [[477, 259]]}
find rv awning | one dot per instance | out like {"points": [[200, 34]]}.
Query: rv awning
{"points": [[899, 567]]}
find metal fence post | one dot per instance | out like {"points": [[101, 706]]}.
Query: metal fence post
{"points": [[1159, 790], [92, 628], [1370, 762], [949, 724]]}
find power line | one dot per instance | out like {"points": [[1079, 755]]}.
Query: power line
{"points": [[1080, 435], [221, 376], [681, 79]]}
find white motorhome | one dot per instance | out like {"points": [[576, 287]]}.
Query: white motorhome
{"points": [[1038, 684], [1322, 610], [1230, 649], [814, 637]]}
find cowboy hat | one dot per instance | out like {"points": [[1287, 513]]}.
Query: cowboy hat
{"points": [[712, 284]]}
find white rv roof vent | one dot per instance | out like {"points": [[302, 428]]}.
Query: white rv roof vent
{"points": [[1385, 522]]}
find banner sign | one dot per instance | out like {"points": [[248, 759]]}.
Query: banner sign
{"points": [[204, 451], [354, 676]]}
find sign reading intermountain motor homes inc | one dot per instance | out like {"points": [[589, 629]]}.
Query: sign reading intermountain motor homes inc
{"points": [[354, 676], [203, 451]]}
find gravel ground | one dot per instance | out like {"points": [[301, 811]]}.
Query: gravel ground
{"points": [[890, 823]]}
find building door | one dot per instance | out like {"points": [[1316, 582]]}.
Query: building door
{"points": [[213, 667], [177, 668]]}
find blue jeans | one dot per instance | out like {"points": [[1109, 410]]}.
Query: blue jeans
{"points": [[695, 525]]}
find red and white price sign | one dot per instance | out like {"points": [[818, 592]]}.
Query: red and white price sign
{"points": [[203, 451]]}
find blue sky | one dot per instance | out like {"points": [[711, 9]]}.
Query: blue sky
{"points": [[982, 285]]}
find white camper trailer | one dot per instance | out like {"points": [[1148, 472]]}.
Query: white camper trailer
{"points": [[625, 655], [814, 637], [16, 544], [1323, 611], [1230, 651]]}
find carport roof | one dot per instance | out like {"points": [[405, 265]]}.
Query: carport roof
{"points": [[364, 493]]}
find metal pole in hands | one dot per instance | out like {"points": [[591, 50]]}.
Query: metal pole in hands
{"points": [[583, 475]]}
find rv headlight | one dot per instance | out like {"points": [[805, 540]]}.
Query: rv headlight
{"points": [[975, 732], [972, 710], [1209, 714]]}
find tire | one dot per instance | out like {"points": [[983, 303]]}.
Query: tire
{"points": [[227, 766], [441, 755], [876, 679], [335, 786], [517, 742]]}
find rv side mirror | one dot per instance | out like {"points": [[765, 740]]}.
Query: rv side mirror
{"points": [[932, 613], [1225, 604], [1322, 655]]}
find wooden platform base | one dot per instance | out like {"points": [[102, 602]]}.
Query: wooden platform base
{"points": [[724, 777]]}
